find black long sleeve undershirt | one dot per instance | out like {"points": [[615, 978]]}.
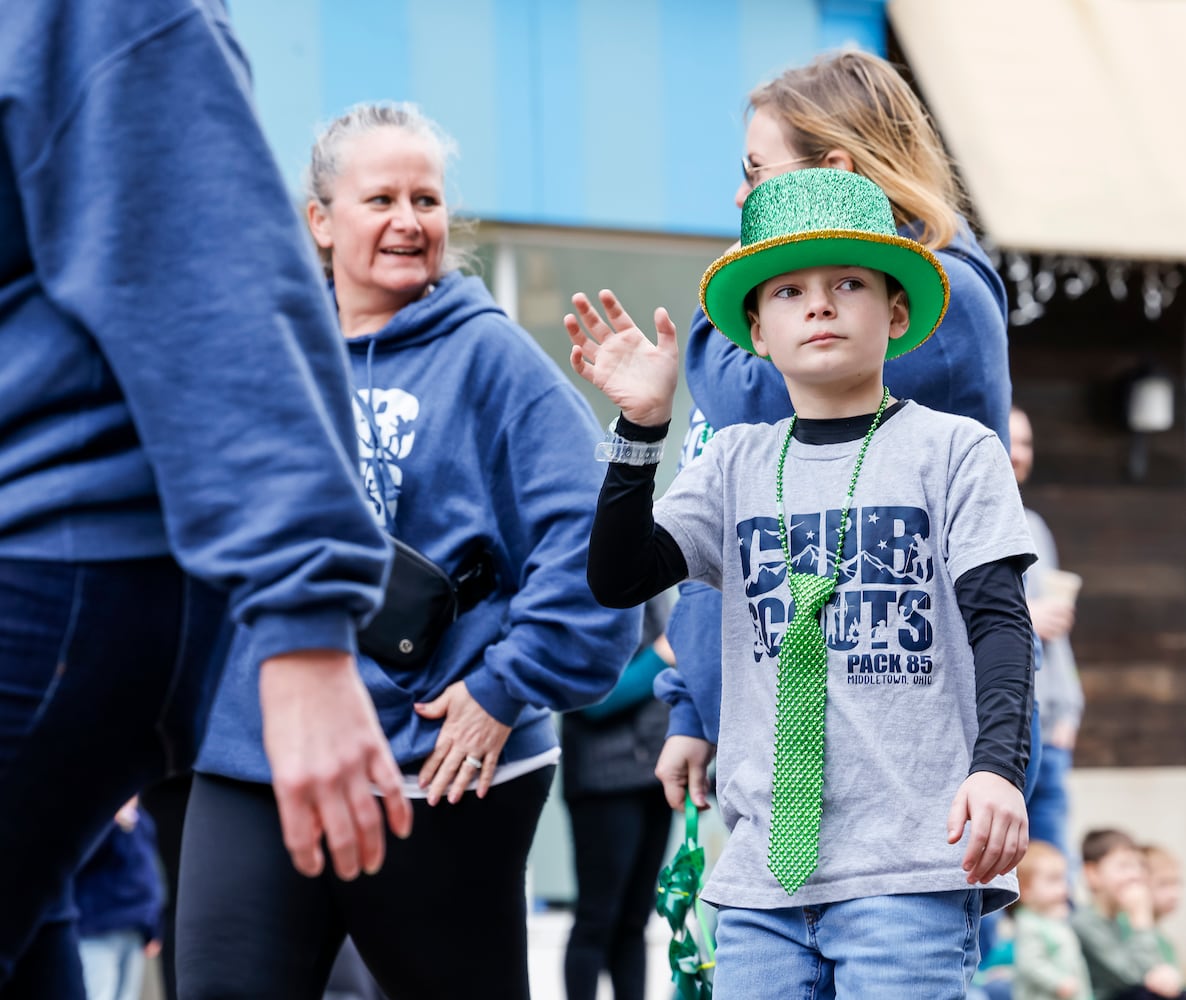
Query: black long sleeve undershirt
{"points": [[631, 559]]}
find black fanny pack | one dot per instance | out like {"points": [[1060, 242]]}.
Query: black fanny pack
{"points": [[421, 602]]}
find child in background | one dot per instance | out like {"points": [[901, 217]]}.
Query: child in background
{"points": [[120, 900], [1165, 885], [1117, 931], [1048, 962]]}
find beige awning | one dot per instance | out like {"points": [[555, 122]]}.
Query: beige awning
{"points": [[1067, 117]]}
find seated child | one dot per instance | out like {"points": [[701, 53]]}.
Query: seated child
{"points": [[877, 652], [1165, 885], [1047, 960], [1117, 931]]}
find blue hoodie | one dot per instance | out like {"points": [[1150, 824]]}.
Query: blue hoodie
{"points": [[119, 887], [963, 368], [482, 439], [171, 379]]}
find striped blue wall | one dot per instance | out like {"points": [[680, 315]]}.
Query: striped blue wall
{"points": [[602, 113]]}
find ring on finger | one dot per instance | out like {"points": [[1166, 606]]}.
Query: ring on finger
{"points": [[473, 761]]}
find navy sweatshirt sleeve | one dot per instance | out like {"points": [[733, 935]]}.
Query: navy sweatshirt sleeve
{"points": [[159, 228], [560, 647]]}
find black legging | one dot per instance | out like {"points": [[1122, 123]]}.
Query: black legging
{"points": [[619, 841], [445, 917]]}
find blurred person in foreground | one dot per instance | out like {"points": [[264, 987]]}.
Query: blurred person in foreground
{"points": [[176, 451]]}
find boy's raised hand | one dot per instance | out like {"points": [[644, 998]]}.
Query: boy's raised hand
{"points": [[999, 836], [618, 359]]}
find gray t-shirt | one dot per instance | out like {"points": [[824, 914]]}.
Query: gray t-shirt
{"points": [[936, 498]]}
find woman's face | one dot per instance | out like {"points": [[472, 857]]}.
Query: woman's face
{"points": [[767, 153], [386, 223]]}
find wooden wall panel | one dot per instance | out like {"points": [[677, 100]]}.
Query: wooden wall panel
{"points": [[1126, 538]]}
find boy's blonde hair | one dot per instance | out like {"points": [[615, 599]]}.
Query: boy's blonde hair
{"points": [[859, 103], [1039, 851], [1156, 854]]}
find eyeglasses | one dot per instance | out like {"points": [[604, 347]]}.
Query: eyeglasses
{"points": [[751, 171]]}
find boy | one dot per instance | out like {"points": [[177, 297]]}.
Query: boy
{"points": [[836, 879], [1118, 930], [1048, 961]]}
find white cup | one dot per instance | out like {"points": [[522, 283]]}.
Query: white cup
{"points": [[1060, 585]]}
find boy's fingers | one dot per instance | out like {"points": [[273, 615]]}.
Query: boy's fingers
{"points": [[663, 325], [698, 785], [673, 791], [957, 816], [590, 317], [618, 317]]}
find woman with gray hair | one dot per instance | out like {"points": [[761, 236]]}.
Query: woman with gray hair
{"points": [[475, 456]]}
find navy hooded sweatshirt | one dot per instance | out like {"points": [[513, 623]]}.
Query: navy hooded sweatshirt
{"points": [[171, 379], [962, 368], [481, 441]]}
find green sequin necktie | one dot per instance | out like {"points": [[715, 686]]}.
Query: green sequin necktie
{"points": [[797, 798]]}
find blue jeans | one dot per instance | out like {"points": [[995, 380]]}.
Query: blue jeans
{"points": [[877, 948], [113, 965], [106, 675], [1049, 805]]}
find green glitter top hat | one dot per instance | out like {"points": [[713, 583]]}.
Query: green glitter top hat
{"points": [[813, 218]]}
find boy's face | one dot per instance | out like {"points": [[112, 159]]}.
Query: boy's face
{"points": [[829, 324], [1165, 884], [1110, 878], [1045, 887]]}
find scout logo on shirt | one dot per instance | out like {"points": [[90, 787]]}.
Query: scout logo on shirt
{"points": [[880, 614], [384, 420]]}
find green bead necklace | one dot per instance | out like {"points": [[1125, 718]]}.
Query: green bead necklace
{"points": [[797, 794], [782, 461]]}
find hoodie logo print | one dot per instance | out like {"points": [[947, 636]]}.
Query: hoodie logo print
{"points": [[384, 420]]}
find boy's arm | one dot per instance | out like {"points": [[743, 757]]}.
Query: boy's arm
{"points": [[631, 559], [992, 601]]}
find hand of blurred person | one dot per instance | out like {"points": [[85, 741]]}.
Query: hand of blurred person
{"points": [[1067, 988], [329, 758], [1163, 980], [1135, 898], [128, 815], [1052, 618], [999, 834], [1062, 735], [469, 733], [683, 768]]}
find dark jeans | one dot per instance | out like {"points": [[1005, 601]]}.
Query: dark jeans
{"points": [[106, 674], [619, 840], [446, 916]]}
